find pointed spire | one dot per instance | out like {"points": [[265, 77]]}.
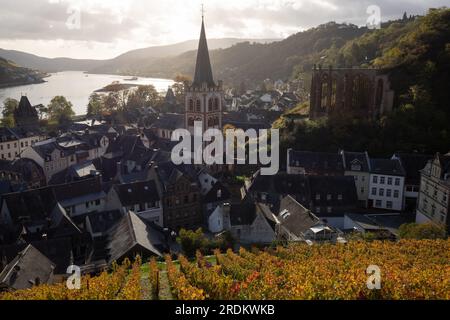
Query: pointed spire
{"points": [[203, 71]]}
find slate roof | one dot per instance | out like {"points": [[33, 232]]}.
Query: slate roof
{"points": [[362, 158], [413, 164], [169, 121], [203, 71], [316, 161], [213, 194], [387, 167], [138, 192], [334, 186], [243, 213], [30, 266], [296, 218], [130, 233]]}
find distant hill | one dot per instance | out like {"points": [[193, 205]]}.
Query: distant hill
{"points": [[257, 61], [141, 61], [13, 75], [129, 63], [47, 64]]}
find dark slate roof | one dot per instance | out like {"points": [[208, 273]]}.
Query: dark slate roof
{"points": [[59, 251], [296, 218], [387, 167], [203, 71], [25, 109], [413, 164], [29, 266], [316, 161], [100, 222], [7, 135], [213, 194], [334, 186], [131, 232], [243, 213], [281, 184], [361, 158], [32, 205], [78, 189], [170, 121], [138, 192], [169, 173]]}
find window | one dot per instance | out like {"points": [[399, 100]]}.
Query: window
{"points": [[397, 181], [317, 196], [198, 105], [388, 193], [374, 191], [8, 146], [396, 194], [329, 210], [382, 180], [328, 197], [191, 105], [340, 197], [378, 203], [390, 181], [97, 202], [210, 105], [318, 210], [381, 193], [356, 178], [389, 204], [375, 179]]}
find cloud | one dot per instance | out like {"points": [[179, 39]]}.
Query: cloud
{"points": [[115, 23]]}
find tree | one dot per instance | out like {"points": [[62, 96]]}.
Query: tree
{"points": [[95, 106], [60, 110], [191, 241], [422, 231], [405, 16], [10, 105], [144, 96]]}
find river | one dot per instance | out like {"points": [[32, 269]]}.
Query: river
{"points": [[76, 86]]}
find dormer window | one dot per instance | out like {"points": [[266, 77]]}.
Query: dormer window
{"points": [[219, 194]]}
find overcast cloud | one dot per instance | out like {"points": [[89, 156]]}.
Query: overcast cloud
{"points": [[110, 27]]}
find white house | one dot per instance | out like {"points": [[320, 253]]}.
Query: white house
{"points": [[386, 184]]}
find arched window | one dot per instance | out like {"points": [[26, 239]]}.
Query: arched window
{"points": [[211, 122], [216, 104], [325, 88], [380, 88], [210, 104], [216, 121], [191, 122], [191, 105], [198, 106]]}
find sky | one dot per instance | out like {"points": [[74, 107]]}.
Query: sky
{"points": [[102, 29]]}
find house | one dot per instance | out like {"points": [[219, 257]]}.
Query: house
{"points": [[357, 165], [180, 190], [413, 164], [387, 181], [314, 163], [434, 194], [30, 268], [383, 226], [332, 197], [295, 223], [252, 223], [58, 154], [142, 198], [133, 236], [328, 197], [13, 141], [166, 123]]}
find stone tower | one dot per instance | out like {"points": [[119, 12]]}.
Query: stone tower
{"points": [[204, 98]]}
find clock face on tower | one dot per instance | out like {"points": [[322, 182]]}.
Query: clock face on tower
{"points": [[204, 98]]}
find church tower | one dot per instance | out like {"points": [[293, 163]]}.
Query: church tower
{"points": [[204, 98]]}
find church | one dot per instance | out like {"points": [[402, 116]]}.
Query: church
{"points": [[204, 97]]}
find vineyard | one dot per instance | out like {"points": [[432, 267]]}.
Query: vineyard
{"points": [[409, 270]]}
